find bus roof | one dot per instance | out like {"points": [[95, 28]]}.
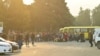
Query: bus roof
{"points": [[83, 27]]}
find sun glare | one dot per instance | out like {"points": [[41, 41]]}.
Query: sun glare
{"points": [[28, 2]]}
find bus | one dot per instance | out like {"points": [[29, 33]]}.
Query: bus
{"points": [[79, 29]]}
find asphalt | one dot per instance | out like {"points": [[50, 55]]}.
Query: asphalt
{"points": [[57, 49]]}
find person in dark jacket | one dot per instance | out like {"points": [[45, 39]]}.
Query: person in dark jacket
{"points": [[90, 39], [19, 40], [27, 39], [82, 37], [32, 38]]}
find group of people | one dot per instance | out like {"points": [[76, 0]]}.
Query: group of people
{"points": [[27, 37], [66, 36], [20, 38], [76, 36]]}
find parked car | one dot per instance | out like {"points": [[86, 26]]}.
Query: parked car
{"points": [[14, 45], [5, 47], [96, 37]]}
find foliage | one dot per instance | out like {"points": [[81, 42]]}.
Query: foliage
{"points": [[84, 18], [17, 16], [2, 11], [50, 15], [43, 15], [96, 16]]}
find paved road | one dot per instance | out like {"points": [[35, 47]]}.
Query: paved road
{"points": [[58, 49]]}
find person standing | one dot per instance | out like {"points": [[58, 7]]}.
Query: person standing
{"points": [[66, 36], [82, 37]]}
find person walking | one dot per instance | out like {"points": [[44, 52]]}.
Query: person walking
{"points": [[27, 39], [19, 40], [91, 39], [32, 38]]}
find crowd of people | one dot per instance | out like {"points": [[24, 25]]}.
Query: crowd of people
{"points": [[27, 37]]}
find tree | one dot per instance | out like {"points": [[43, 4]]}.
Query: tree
{"points": [[43, 15], [50, 15], [2, 10], [17, 16], [84, 18], [96, 16]]}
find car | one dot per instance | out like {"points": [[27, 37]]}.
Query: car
{"points": [[96, 37], [5, 47], [14, 45]]}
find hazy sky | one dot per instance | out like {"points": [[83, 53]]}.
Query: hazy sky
{"points": [[74, 5]]}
